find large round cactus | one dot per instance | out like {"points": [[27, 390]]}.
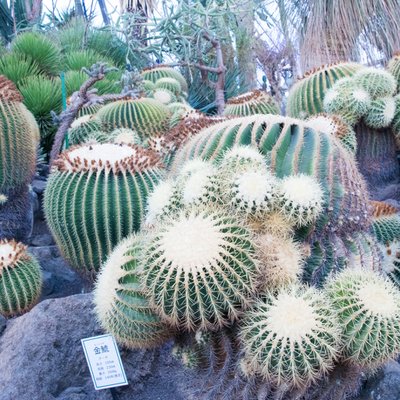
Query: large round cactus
{"points": [[199, 269], [368, 307], [307, 96], [121, 306], [153, 74], [18, 142], [20, 279], [255, 102], [95, 196], [147, 117], [291, 337], [292, 147]]}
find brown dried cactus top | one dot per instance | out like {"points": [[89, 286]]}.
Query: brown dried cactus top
{"points": [[114, 157], [8, 90], [192, 124], [158, 66], [246, 97], [10, 253], [381, 209]]}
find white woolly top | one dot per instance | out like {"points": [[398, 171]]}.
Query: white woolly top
{"points": [[81, 120], [302, 189], [377, 299], [158, 200], [8, 253], [244, 152], [292, 317], [102, 152], [192, 243]]}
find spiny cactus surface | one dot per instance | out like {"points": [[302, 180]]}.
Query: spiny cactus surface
{"points": [[20, 279]]}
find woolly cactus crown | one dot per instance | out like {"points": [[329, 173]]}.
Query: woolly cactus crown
{"points": [[199, 269], [106, 156], [291, 337], [368, 307]]}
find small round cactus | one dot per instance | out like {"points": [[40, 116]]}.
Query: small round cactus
{"points": [[189, 356], [350, 103], [253, 192], [121, 306], [82, 128], [381, 113], [164, 96], [307, 95], [280, 260], [124, 135], [199, 269], [153, 74], [377, 82], [291, 337], [255, 102], [368, 308], [170, 84], [301, 199], [241, 158], [95, 196], [147, 117], [20, 279]]}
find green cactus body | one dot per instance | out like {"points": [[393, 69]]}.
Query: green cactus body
{"points": [[336, 126], [95, 196], [121, 306], [292, 148], [291, 337], [147, 117], [381, 113], [255, 102], [92, 109], [170, 84], [18, 143], [368, 308], [332, 253], [385, 222], [189, 356], [20, 279], [160, 71], [377, 82], [82, 128], [148, 87], [307, 95], [197, 286]]}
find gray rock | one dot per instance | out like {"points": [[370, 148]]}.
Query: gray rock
{"points": [[385, 385], [41, 358], [59, 279], [3, 324], [39, 186], [42, 240]]}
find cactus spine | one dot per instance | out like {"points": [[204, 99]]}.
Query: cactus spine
{"points": [[20, 279], [121, 305], [95, 196]]}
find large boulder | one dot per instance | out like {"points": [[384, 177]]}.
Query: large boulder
{"points": [[41, 358]]}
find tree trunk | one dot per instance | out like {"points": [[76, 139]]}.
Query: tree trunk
{"points": [[377, 157], [104, 13], [245, 46], [79, 9]]}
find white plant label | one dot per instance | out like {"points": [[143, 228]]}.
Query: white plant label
{"points": [[104, 361]]}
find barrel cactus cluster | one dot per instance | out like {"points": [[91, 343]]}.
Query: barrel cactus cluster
{"points": [[257, 256], [364, 100]]}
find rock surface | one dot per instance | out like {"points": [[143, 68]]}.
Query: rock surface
{"points": [[41, 358]]}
